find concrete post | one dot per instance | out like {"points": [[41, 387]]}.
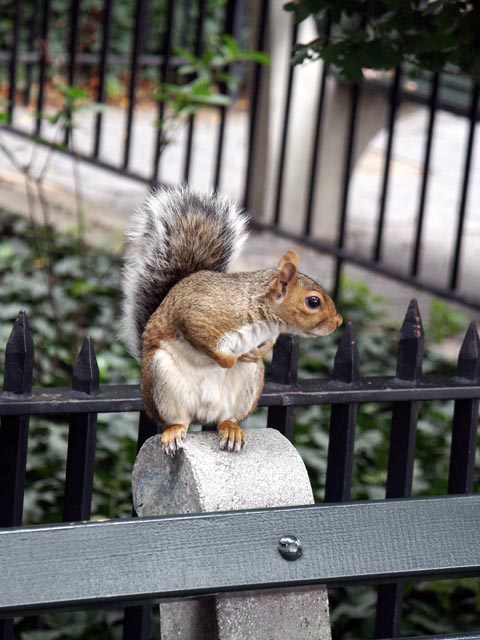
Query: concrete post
{"points": [[267, 473]]}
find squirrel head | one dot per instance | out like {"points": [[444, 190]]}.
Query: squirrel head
{"points": [[301, 303]]}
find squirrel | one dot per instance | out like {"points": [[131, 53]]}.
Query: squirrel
{"points": [[200, 332]]}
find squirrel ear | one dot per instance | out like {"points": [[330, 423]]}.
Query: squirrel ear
{"points": [[287, 273], [292, 257]]}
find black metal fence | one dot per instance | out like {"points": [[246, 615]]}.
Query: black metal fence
{"points": [[283, 392], [136, 44]]}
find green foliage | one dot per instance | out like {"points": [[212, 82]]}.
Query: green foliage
{"points": [[74, 100], [86, 302], [430, 35], [209, 81]]}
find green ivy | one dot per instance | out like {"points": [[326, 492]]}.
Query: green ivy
{"points": [[433, 35]]}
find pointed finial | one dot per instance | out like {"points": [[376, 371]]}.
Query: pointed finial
{"points": [[469, 356], [410, 351], [86, 376], [346, 366], [19, 355]]}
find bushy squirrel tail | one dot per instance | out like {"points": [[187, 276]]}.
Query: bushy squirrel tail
{"points": [[174, 234]]}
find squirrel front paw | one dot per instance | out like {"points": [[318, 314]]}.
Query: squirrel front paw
{"points": [[173, 438], [232, 437], [257, 354]]}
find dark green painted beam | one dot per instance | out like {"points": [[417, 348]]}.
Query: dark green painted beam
{"points": [[146, 559]]}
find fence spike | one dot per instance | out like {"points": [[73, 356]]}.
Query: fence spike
{"points": [[19, 354], [410, 351], [284, 371], [469, 356], [86, 376], [346, 367]]}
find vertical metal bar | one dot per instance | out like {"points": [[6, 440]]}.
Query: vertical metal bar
{"points": [[137, 620], [81, 441], [347, 171], [107, 23], [191, 119], [285, 127], [284, 371], [19, 355], [315, 158], [167, 40], [465, 419], [401, 457], [33, 32], [136, 623], [14, 430], [12, 90], [426, 168], [42, 78], [138, 43], [253, 119], [228, 28], [72, 52], [465, 184], [392, 112], [346, 370]]}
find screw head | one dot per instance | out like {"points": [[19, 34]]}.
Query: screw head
{"points": [[290, 547]]}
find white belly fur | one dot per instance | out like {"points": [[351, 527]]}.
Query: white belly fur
{"points": [[191, 387]]}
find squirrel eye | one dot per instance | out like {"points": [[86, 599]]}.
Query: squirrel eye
{"points": [[313, 302]]}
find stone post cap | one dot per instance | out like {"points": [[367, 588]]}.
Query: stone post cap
{"points": [[268, 472]]}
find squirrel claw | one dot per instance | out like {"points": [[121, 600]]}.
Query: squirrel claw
{"points": [[232, 437], [173, 439]]}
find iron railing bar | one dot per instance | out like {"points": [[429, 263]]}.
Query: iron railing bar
{"points": [[81, 441], [316, 148], [12, 90], [137, 620], [465, 188], [253, 125], [392, 113], [119, 398], [72, 55], [102, 72], [33, 33], [347, 171], [343, 417], [44, 54], [284, 371], [285, 127], [465, 419], [316, 151], [166, 57], [138, 43], [85, 58], [425, 175], [230, 13], [401, 457], [19, 356], [191, 120]]}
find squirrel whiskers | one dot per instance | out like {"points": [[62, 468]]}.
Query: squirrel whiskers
{"points": [[203, 332]]}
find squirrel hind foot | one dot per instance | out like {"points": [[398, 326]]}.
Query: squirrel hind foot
{"points": [[232, 437], [173, 439]]}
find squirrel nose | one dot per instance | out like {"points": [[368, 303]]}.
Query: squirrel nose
{"points": [[339, 320]]}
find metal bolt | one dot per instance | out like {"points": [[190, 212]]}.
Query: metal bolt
{"points": [[290, 547]]}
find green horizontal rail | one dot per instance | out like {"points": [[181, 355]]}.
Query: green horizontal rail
{"points": [[147, 559]]}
